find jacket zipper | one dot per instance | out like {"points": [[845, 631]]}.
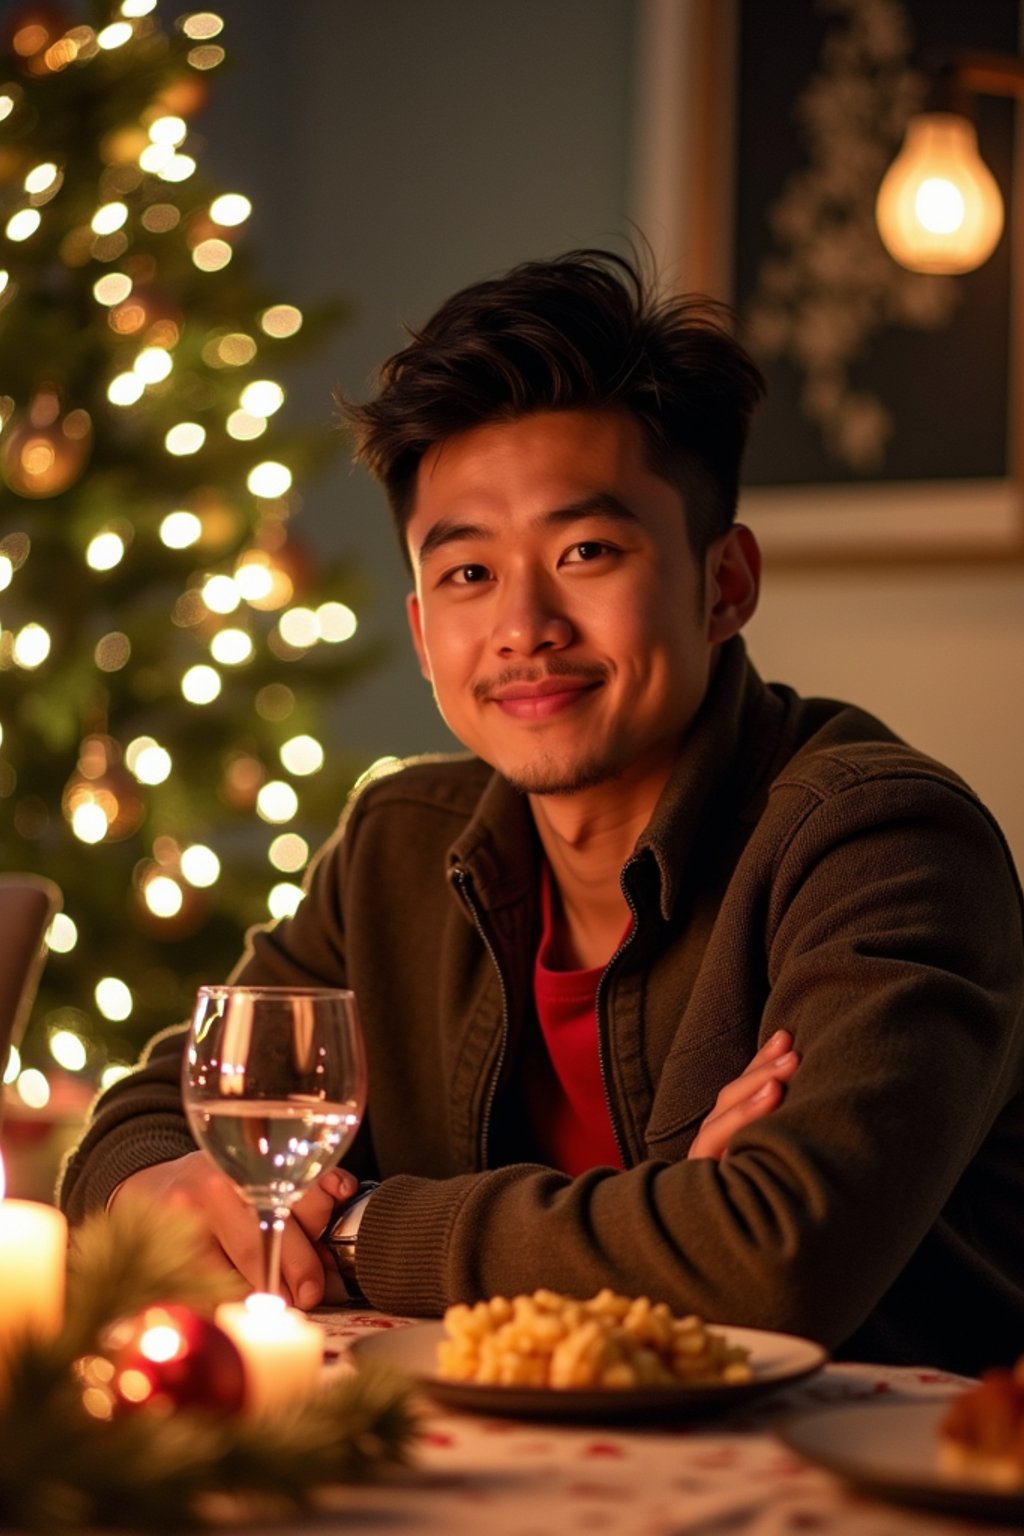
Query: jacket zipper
{"points": [[465, 885], [466, 888], [598, 1001]]}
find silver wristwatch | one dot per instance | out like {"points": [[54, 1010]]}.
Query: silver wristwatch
{"points": [[337, 1246]]}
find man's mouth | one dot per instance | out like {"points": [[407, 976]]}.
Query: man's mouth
{"points": [[541, 698]]}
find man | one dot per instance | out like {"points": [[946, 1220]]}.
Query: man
{"points": [[651, 871]]}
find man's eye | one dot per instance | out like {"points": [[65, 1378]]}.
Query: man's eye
{"points": [[589, 549], [469, 575]]}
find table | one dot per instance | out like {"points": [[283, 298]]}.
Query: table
{"points": [[476, 1476]]}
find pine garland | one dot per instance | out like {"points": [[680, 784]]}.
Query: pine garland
{"points": [[62, 1469]]}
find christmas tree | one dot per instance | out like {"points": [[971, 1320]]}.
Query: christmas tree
{"points": [[166, 646]]}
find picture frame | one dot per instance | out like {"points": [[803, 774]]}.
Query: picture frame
{"points": [[692, 201]]}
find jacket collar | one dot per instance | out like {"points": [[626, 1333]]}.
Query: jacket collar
{"points": [[722, 774]]}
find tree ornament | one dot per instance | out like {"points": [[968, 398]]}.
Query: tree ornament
{"points": [[164, 1358], [33, 28], [102, 800], [42, 453]]}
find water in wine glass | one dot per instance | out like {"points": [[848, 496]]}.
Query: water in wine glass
{"points": [[274, 1148], [274, 1088]]}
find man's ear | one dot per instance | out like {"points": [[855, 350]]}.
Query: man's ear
{"points": [[733, 582], [412, 609]]}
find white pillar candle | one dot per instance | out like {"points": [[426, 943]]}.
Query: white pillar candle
{"points": [[33, 1255], [281, 1348]]}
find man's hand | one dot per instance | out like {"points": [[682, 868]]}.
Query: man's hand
{"points": [[194, 1184], [756, 1092]]}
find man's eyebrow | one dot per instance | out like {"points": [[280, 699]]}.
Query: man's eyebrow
{"points": [[447, 530]]}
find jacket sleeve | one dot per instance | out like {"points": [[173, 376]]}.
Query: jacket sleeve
{"points": [[141, 1121], [893, 951]]}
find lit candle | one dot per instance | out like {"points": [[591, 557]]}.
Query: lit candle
{"points": [[33, 1250], [281, 1348]]}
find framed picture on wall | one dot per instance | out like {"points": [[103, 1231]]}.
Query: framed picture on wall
{"points": [[893, 428]]}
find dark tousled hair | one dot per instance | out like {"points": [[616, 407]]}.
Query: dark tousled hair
{"points": [[581, 331]]}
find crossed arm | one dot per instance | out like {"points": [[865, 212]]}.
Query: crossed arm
{"points": [[194, 1183]]}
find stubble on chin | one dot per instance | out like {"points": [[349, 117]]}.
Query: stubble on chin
{"points": [[546, 776]]}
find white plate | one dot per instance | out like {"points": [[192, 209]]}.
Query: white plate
{"points": [[777, 1359], [890, 1450]]}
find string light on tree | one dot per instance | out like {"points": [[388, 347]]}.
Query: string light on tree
{"points": [[140, 360]]}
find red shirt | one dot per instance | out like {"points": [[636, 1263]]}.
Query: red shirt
{"points": [[564, 1092]]}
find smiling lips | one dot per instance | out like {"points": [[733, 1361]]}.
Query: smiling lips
{"points": [[542, 698]]}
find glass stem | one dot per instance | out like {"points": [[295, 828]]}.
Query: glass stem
{"points": [[271, 1232]]}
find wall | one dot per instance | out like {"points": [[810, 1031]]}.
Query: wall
{"points": [[396, 150], [399, 148]]}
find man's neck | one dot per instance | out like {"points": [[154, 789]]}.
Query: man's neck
{"points": [[587, 838]]}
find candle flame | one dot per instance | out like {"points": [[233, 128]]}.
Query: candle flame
{"points": [[265, 1307]]}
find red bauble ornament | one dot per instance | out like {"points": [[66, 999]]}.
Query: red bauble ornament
{"points": [[169, 1357]]}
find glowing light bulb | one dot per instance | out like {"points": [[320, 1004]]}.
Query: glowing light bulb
{"points": [[41, 178], [23, 224], [109, 218], [262, 397], [114, 36], [89, 822], [13, 1066], [113, 999], [104, 551], [288, 852], [148, 760], [221, 594], [253, 578], [244, 428], [187, 437], [6, 571], [155, 157], [201, 684], [284, 899], [180, 529], [113, 1074], [126, 389], [299, 627], [336, 622], [269, 480], [168, 130], [112, 288], [137, 7], [163, 896], [177, 168], [68, 1050], [939, 208], [212, 255], [231, 647], [62, 934], [302, 755], [277, 801], [31, 646], [281, 320], [200, 865], [153, 364], [33, 1089], [202, 24], [230, 209]]}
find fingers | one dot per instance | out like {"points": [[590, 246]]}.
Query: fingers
{"points": [[755, 1093], [193, 1182]]}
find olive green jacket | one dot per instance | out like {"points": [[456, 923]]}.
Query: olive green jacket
{"points": [[803, 869]]}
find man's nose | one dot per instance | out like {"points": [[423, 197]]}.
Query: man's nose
{"points": [[530, 617]]}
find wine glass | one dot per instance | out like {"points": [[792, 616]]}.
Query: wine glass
{"points": [[274, 1084]]}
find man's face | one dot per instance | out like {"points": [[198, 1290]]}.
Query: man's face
{"points": [[558, 609]]}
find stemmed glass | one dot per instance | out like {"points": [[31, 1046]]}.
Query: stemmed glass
{"points": [[274, 1083]]}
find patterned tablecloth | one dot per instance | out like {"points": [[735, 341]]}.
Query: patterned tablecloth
{"points": [[479, 1476]]}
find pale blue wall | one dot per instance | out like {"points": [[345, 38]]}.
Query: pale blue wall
{"points": [[396, 149]]}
